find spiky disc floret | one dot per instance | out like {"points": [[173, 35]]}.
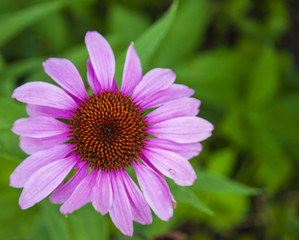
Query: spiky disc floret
{"points": [[108, 131]]}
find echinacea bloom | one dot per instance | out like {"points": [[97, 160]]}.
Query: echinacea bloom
{"points": [[106, 133]]}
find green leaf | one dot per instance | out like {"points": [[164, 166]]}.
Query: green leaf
{"points": [[147, 44], [55, 222], [16, 71], [87, 223], [186, 195], [230, 211], [263, 82], [15, 223], [269, 152], [188, 28], [125, 25], [213, 183], [10, 111], [222, 161], [213, 73], [13, 24]]}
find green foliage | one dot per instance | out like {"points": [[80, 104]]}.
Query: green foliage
{"points": [[88, 223], [13, 24], [239, 57], [148, 43], [208, 182]]}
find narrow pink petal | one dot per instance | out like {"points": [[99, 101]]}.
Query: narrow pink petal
{"points": [[39, 127], [175, 91], [152, 82], [81, 195], [37, 110], [178, 108], [147, 163], [44, 94], [132, 71], [64, 191], [31, 145], [121, 213], [44, 181], [36, 161], [92, 78], [171, 165], [186, 150], [102, 58], [114, 86], [140, 209], [101, 195], [183, 129], [155, 191], [63, 72]]}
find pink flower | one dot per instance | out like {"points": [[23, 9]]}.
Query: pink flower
{"points": [[106, 133]]}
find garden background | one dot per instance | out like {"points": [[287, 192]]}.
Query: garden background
{"points": [[240, 56]]}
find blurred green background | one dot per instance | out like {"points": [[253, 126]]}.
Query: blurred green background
{"points": [[242, 59]]}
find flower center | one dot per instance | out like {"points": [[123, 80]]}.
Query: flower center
{"points": [[108, 131]]}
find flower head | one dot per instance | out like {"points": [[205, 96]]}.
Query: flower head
{"points": [[106, 133]]}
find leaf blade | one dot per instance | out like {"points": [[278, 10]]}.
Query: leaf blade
{"points": [[147, 44], [12, 24]]}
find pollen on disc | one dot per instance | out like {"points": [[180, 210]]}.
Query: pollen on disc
{"points": [[108, 131]]}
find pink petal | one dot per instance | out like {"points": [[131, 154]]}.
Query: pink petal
{"points": [[132, 71], [155, 191], [101, 195], [171, 165], [177, 108], [81, 195], [102, 58], [37, 110], [39, 127], [175, 91], [186, 150], [140, 209], [36, 161], [31, 145], [182, 129], [114, 86], [66, 75], [154, 169], [92, 78], [44, 181], [153, 81], [44, 94], [63, 192], [120, 212]]}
